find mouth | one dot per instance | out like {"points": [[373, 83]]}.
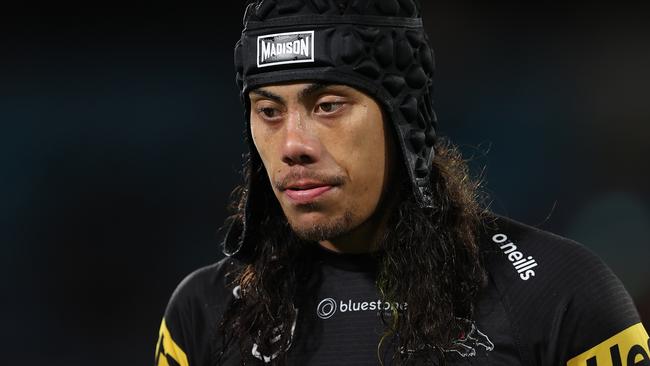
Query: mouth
{"points": [[306, 192]]}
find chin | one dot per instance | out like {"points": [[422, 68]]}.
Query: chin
{"points": [[313, 226]]}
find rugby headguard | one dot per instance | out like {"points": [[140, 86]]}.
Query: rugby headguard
{"points": [[376, 46]]}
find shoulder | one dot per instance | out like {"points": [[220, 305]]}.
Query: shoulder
{"points": [[562, 299], [520, 252], [545, 268], [189, 327], [209, 284]]}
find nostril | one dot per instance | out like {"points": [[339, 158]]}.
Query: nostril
{"points": [[287, 160], [305, 159], [298, 159]]}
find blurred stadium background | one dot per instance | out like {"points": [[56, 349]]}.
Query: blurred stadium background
{"points": [[121, 139]]}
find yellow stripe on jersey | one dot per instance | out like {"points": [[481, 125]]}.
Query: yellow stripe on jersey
{"points": [[627, 348], [166, 348]]}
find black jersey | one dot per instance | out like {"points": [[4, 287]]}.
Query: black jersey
{"points": [[548, 301]]}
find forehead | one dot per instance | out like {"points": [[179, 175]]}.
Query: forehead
{"points": [[301, 90]]}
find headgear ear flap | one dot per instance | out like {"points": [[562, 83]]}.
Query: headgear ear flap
{"points": [[376, 46]]}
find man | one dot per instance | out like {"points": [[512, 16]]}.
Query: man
{"points": [[358, 238]]}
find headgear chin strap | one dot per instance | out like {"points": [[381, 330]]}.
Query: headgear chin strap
{"points": [[376, 46]]}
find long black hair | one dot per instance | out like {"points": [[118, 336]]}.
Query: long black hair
{"points": [[428, 258]]}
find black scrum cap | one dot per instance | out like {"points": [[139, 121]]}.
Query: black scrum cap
{"points": [[376, 46]]}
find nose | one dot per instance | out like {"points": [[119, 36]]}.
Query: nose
{"points": [[300, 145]]}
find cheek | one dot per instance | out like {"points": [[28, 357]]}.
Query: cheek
{"points": [[263, 143], [366, 154], [256, 134]]}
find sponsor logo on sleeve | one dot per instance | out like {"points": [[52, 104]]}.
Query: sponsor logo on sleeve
{"points": [[523, 264], [285, 48], [630, 347], [168, 353]]}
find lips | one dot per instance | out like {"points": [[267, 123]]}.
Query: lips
{"points": [[306, 192]]}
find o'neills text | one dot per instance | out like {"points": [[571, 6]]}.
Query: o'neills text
{"points": [[524, 265]]}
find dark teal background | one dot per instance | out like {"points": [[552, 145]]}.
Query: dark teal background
{"points": [[121, 138]]}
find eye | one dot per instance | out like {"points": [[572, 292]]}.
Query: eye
{"points": [[268, 112], [328, 107]]}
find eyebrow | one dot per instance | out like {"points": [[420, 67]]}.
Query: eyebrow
{"points": [[269, 95], [305, 93], [312, 89]]}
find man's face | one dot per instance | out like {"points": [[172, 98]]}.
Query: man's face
{"points": [[324, 148]]}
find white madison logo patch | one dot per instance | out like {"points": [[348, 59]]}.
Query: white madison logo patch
{"points": [[285, 48]]}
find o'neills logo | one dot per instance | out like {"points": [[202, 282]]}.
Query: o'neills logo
{"points": [[524, 265], [285, 48]]}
